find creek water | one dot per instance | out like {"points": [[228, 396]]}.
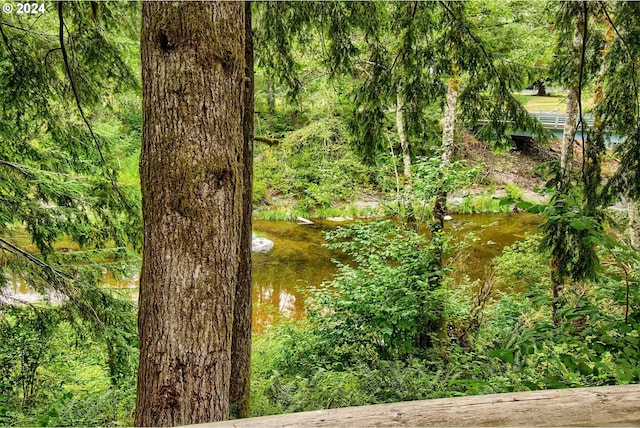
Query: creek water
{"points": [[299, 261]]}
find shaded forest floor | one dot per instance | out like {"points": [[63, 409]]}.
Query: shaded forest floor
{"points": [[514, 167], [520, 166]]}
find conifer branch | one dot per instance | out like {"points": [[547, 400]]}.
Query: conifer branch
{"points": [[5, 39], [74, 89], [26, 30], [60, 282], [18, 168], [626, 49], [489, 61], [413, 15], [480, 45], [46, 56], [33, 259]]}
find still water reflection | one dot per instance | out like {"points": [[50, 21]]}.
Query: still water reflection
{"points": [[299, 261]]}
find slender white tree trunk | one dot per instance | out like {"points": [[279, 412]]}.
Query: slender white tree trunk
{"points": [[569, 131], [566, 156], [404, 143], [571, 112], [448, 135]]}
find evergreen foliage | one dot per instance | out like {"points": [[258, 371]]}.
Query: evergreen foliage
{"points": [[620, 107], [65, 220]]}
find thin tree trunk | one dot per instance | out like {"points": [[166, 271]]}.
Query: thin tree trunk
{"points": [[568, 133], [271, 100], [566, 157], [406, 160], [239, 394], [634, 222], [194, 186], [404, 144], [448, 134], [572, 109]]}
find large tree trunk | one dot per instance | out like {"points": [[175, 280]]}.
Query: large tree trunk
{"points": [[194, 198], [239, 393], [541, 89], [448, 134]]}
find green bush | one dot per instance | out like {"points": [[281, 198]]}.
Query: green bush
{"points": [[593, 345], [53, 373], [389, 303], [513, 191], [483, 203], [259, 191]]}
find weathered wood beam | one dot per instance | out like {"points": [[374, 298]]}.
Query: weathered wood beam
{"points": [[598, 406]]}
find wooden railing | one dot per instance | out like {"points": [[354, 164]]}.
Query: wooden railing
{"points": [[556, 120], [598, 406]]}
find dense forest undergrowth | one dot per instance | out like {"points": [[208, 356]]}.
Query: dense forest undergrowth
{"points": [[558, 309]]}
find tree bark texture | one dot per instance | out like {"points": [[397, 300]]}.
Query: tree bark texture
{"points": [[194, 198], [239, 394], [448, 132]]}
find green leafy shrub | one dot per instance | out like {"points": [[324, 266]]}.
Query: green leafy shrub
{"points": [[594, 344], [482, 203], [389, 303], [259, 191], [54, 372], [523, 266], [513, 191]]}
